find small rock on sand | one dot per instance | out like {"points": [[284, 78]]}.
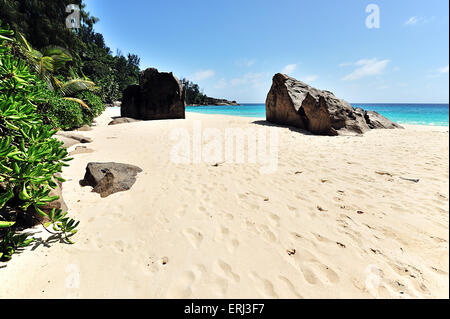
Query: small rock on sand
{"points": [[110, 178], [69, 138], [123, 120], [81, 150]]}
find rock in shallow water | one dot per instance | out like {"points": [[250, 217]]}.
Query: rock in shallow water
{"points": [[294, 103], [110, 178]]}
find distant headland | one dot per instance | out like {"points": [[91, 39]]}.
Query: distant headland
{"points": [[218, 102]]}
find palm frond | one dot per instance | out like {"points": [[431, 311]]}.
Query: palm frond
{"points": [[73, 86], [54, 50], [21, 39], [59, 55], [79, 101]]}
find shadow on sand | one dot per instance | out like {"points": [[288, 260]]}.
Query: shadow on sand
{"points": [[292, 128]]}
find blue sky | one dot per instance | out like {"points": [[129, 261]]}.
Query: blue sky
{"points": [[232, 48]]}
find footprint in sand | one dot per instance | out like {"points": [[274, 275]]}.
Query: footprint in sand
{"points": [[267, 234], [411, 275], [184, 284], [275, 219], [228, 271], [224, 236], [194, 237], [264, 286], [182, 211], [183, 289], [293, 210], [314, 271], [219, 285], [290, 286]]}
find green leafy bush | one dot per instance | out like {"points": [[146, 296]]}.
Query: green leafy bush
{"points": [[95, 104], [30, 158], [66, 114], [60, 112]]}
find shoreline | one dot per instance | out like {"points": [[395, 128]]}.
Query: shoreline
{"points": [[264, 118], [335, 213]]}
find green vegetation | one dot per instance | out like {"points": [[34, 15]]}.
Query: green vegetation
{"points": [[51, 78], [30, 158], [43, 24], [193, 94], [65, 113]]}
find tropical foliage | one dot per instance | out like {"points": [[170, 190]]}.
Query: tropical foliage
{"points": [[42, 22], [193, 93], [30, 158]]}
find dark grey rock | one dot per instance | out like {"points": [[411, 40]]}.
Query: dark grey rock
{"points": [[110, 178], [158, 96]]}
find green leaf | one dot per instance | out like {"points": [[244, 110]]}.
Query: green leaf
{"points": [[6, 224]]}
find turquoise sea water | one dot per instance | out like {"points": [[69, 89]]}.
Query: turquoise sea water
{"points": [[423, 114]]}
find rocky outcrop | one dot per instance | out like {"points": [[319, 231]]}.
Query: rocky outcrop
{"points": [[294, 103], [110, 178], [122, 120], [158, 96], [218, 102]]}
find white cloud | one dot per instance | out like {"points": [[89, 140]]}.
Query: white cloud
{"points": [[245, 63], [444, 69], [413, 20], [253, 79], [367, 67], [289, 69], [250, 63], [310, 78], [418, 20], [221, 84], [345, 64], [202, 75], [438, 72]]}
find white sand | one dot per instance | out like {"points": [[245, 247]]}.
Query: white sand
{"points": [[224, 232]]}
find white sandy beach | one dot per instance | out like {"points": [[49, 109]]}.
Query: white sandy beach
{"points": [[335, 220]]}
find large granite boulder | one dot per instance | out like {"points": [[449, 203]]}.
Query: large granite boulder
{"points": [[294, 103], [158, 96], [110, 178]]}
